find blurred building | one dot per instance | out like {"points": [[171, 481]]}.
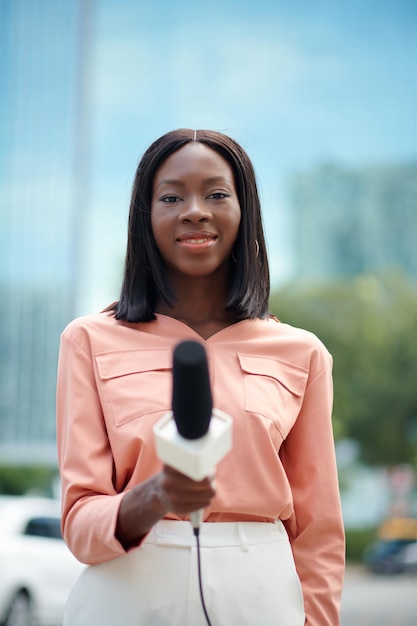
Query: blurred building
{"points": [[43, 179], [348, 221]]}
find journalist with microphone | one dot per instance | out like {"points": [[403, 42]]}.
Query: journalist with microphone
{"points": [[241, 442]]}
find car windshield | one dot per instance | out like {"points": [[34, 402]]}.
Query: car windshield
{"points": [[44, 527]]}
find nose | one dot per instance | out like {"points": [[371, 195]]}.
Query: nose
{"points": [[195, 210]]}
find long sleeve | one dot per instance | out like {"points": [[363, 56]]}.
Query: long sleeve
{"points": [[316, 527], [90, 501]]}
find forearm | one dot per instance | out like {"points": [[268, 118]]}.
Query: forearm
{"points": [[319, 558]]}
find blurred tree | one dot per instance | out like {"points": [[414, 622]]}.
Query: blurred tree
{"points": [[369, 324], [18, 480]]}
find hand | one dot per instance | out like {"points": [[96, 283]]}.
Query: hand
{"points": [[182, 495], [148, 502]]}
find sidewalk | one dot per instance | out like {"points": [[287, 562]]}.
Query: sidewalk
{"points": [[371, 600]]}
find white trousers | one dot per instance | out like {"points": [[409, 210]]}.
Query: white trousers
{"points": [[248, 577]]}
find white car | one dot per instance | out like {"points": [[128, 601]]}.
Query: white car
{"points": [[37, 570]]}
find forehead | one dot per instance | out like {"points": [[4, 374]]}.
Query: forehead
{"points": [[194, 159]]}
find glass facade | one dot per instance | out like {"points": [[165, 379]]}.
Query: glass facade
{"points": [[353, 221], [43, 167]]}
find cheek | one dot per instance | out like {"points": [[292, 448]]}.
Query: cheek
{"points": [[162, 234], [158, 224]]}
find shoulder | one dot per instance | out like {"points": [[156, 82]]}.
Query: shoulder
{"points": [[281, 331], [291, 344], [90, 329], [300, 335], [308, 347], [100, 333], [88, 323]]}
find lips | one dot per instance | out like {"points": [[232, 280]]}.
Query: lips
{"points": [[197, 241]]}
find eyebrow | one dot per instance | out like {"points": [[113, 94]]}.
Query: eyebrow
{"points": [[179, 183]]}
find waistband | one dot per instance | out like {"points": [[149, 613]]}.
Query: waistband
{"points": [[216, 534]]}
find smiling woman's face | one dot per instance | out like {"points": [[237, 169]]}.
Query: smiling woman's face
{"points": [[195, 211]]}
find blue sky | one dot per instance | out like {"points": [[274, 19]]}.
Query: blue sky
{"points": [[313, 80], [320, 79], [296, 83]]}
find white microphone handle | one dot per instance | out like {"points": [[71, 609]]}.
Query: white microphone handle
{"points": [[196, 518]]}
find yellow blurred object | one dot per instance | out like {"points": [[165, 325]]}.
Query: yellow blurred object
{"points": [[398, 528]]}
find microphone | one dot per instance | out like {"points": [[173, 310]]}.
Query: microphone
{"points": [[193, 437], [191, 393]]}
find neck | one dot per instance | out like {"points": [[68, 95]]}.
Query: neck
{"points": [[200, 304]]}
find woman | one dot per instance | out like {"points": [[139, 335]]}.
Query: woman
{"points": [[272, 538]]}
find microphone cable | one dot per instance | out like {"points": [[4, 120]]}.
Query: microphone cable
{"points": [[200, 584]]}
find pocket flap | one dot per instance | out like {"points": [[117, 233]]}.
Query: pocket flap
{"points": [[290, 376], [124, 362]]}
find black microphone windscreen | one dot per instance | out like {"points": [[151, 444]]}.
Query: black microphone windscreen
{"points": [[191, 393]]}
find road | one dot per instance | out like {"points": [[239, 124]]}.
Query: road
{"points": [[372, 600]]}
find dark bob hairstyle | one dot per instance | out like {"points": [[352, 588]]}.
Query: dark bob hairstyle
{"points": [[145, 283]]}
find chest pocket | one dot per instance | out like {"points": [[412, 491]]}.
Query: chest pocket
{"points": [[134, 383], [274, 389]]}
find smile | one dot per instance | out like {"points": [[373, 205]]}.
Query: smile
{"points": [[198, 244], [196, 241]]}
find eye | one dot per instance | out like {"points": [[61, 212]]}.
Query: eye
{"points": [[219, 195], [170, 199]]}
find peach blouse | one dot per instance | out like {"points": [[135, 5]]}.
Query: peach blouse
{"points": [[274, 380]]}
